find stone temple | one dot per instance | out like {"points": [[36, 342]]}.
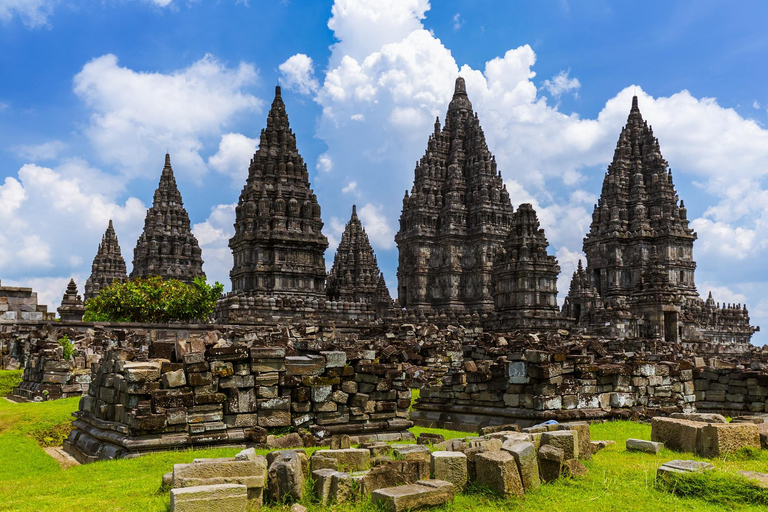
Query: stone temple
{"points": [[167, 247], [639, 278], [456, 216], [108, 265]]}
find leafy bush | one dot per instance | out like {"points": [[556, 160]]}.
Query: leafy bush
{"points": [[67, 346], [9, 379], [154, 300]]}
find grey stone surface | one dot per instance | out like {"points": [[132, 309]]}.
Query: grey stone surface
{"points": [[641, 445]]}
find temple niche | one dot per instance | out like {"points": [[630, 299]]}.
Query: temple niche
{"points": [[525, 276], [355, 274], [456, 216], [639, 278], [108, 265], [167, 247]]}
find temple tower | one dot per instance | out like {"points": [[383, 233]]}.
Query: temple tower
{"points": [[167, 247], [525, 276], [278, 246], [454, 219], [355, 274], [72, 308], [108, 265]]}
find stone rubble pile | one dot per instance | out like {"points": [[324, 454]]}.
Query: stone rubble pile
{"points": [[232, 394], [396, 477], [709, 435]]}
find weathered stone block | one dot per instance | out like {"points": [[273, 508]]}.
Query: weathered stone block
{"points": [[550, 462], [174, 379], [677, 434], [498, 470], [449, 466], [641, 445], [524, 454], [566, 440], [286, 478], [720, 439], [425, 493], [350, 459], [203, 498], [573, 468], [250, 473]]}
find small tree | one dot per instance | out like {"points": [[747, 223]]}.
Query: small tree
{"points": [[67, 347], [154, 300]]}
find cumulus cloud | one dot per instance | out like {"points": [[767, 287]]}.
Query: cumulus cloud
{"points": [[234, 156], [324, 163], [561, 84], [298, 74], [139, 115], [377, 226], [32, 13], [349, 188], [213, 236]]}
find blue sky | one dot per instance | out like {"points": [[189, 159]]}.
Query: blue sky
{"points": [[92, 94]]}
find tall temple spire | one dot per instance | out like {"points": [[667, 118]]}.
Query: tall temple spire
{"points": [[167, 247], [278, 244], [108, 264], [72, 308], [525, 276], [355, 274], [456, 216]]}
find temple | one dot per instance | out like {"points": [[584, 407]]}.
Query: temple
{"points": [[525, 276], [455, 218], [355, 274], [639, 278], [167, 247], [108, 265], [72, 307]]}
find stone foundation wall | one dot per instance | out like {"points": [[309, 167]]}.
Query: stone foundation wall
{"points": [[233, 394], [731, 391]]}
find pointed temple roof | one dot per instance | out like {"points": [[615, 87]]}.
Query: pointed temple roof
{"points": [[108, 264], [638, 197], [355, 274], [167, 247], [457, 178], [277, 218], [526, 236], [72, 308]]}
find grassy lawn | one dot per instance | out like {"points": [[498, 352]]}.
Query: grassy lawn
{"points": [[30, 480], [9, 379]]}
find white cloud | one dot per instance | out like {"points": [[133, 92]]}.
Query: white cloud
{"points": [[333, 232], [213, 236], [561, 84], [234, 156], [45, 151], [324, 163], [377, 226], [299, 74], [721, 294], [33, 13], [457, 22], [756, 105], [350, 188], [138, 115]]}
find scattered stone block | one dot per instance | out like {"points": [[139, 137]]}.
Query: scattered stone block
{"points": [[322, 488], [167, 479], [677, 433], [298, 508], [641, 445], [702, 417], [427, 438], [418, 455], [377, 448], [174, 379], [584, 438], [498, 470], [566, 440], [381, 477], [524, 454], [573, 468], [204, 498], [317, 462], [676, 467], [345, 487], [286, 477], [349, 459], [292, 440], [425, 493], [720, 439], [450, 467], [758, 479], [513, 427], [550, 462], [250, 473], [340, 442]]}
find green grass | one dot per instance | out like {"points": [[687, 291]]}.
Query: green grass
{"points": [[618, 480], [9, 379]]}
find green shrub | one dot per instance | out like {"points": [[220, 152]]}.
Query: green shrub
{"points": [[9, 379], [67, 346], [154, 300]]}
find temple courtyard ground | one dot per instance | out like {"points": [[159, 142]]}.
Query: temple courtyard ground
{"points": [[32, 480]]}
